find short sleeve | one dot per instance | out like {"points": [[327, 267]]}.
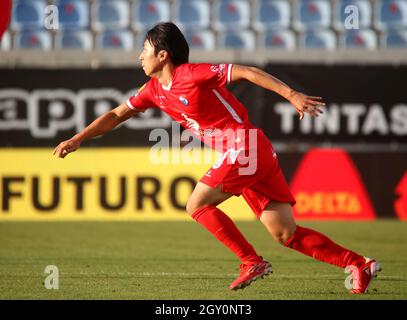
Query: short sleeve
{"points": [[141, 101], [211, 75]]}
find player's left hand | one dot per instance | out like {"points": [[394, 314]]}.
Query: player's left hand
{"points": [[306, 104]]}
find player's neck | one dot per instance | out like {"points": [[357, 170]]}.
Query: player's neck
{"points": [[164, 76]]}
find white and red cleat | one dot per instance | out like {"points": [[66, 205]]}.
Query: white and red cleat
{"points": [[363, 275], [249, 272]]}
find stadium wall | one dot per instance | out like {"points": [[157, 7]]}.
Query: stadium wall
{"points": [[349, 164]]}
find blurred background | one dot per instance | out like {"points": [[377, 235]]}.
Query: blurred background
{"points": [[63, 63], [249, 25]]}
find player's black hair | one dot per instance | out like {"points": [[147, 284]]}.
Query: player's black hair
{"points": [[167, 36]]}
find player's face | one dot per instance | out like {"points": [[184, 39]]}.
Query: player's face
{"points": [[149, 61]]}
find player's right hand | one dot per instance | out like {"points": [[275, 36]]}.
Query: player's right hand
{"points": [[306, 104], [66, 147]]}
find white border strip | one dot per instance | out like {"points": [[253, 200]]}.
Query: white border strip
{"points": [[230, 72], [227, 106], [130, 105]]}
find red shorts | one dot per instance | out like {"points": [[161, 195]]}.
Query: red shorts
{"points": [[255, 174]]}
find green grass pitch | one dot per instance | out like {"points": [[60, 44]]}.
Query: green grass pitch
{"points": [[181, 260]]}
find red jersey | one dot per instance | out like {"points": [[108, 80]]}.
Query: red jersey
{"points": [[197, 98]]}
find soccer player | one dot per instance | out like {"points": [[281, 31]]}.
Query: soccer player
{"points": [[195, 95]]}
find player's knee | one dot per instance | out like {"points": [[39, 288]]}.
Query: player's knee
{"points": [[282, 236], [192, 206]]}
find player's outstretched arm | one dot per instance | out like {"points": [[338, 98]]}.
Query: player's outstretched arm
{"points": [[103, 124], [302, 102]]}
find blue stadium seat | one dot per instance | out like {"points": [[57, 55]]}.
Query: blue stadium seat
{"points": [[5, 43], [278, 39], [359, 39], [110, 15], [312, 14], [115, 39], [318, 39], [204, 40], [192, 14], [146, 13], [74, 40], [231, 15], [394, 39], [28, 14], [364, 13], [241, 39], [73, 14], [391, 14], [33, 40], [271, 14]]}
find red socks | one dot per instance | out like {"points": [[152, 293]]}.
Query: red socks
{"points": [[304, 240], [320, 247], [223, 228]]}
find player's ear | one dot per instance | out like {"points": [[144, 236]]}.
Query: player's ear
{"points": [[163, 55]]}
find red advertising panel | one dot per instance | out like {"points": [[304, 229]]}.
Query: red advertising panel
{"points": [[327, 185], [5, 10], [400, 206]]}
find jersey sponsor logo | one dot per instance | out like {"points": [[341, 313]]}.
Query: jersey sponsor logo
{"points": [[191, 123], [160, 99], [220, 69], [184, 100], [215, 68]]}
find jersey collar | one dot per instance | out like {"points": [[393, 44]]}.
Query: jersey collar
{"points": [[168, 87]]}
